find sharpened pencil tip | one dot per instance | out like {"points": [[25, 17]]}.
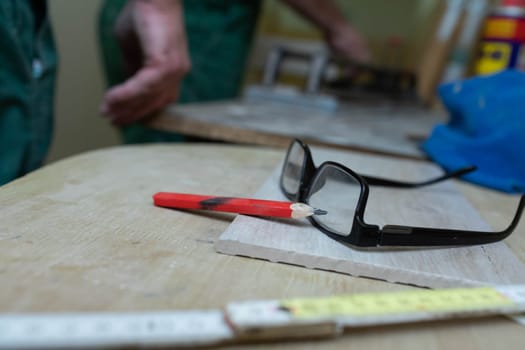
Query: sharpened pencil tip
{"points": [[320, 212]]}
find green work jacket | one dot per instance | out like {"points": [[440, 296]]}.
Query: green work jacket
{"points": [[27, 79], [219, 38]]}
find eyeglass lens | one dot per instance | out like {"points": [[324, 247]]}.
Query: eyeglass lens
{"points": [[337, 192], [292, 172]]}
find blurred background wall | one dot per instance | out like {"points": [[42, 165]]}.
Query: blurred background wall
{"points": [[78, 124]]}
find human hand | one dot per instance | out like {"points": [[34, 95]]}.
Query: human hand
{"points": [[153, 42], [348, 42]]}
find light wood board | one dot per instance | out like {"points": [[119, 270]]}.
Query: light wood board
{"points": [[299, 243], [383, 128]]}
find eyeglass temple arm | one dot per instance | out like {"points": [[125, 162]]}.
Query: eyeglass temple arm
{"points": [[393, 235], [377, 181]]}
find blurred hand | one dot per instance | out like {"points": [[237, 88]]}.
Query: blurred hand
{"points": [[153, 42], [348, 42], [339, 34]]}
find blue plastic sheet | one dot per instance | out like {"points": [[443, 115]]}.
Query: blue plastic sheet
{"points": [[486, 129]]}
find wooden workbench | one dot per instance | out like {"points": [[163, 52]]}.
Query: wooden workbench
{"points": [[380, 128], [82, 235]]}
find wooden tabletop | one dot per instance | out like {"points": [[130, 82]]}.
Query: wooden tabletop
{"points": [[82, 235]]}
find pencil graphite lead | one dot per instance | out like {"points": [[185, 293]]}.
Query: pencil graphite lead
{"points": [[320, 212], [302, 210]]}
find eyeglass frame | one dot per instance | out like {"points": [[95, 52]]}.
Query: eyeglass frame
{"points": [[363, 234]]}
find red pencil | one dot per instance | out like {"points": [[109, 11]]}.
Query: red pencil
{"points": [[246, 206]]}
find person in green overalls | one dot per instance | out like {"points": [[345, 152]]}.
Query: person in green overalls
{"points": [[27, 78], [204, 52]]}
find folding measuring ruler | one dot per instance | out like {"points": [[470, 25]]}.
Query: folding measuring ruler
{"points": [[255, 320]]}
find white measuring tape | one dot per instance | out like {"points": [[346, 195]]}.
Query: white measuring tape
{"points": [[255, 320], [89, 330]]}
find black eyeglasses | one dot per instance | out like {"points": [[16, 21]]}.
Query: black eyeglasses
{"points": [[344, 194]]}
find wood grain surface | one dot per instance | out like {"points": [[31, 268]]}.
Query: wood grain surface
{"points": [[381, 128], [82, 235]]}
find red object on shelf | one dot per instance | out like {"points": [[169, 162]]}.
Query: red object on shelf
{"points": [[517, 3]]}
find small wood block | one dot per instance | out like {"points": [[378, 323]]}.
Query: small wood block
{"points": [[299, 243]]}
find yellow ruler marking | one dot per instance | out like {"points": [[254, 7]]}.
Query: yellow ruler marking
{"points": [[372, 304]]}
